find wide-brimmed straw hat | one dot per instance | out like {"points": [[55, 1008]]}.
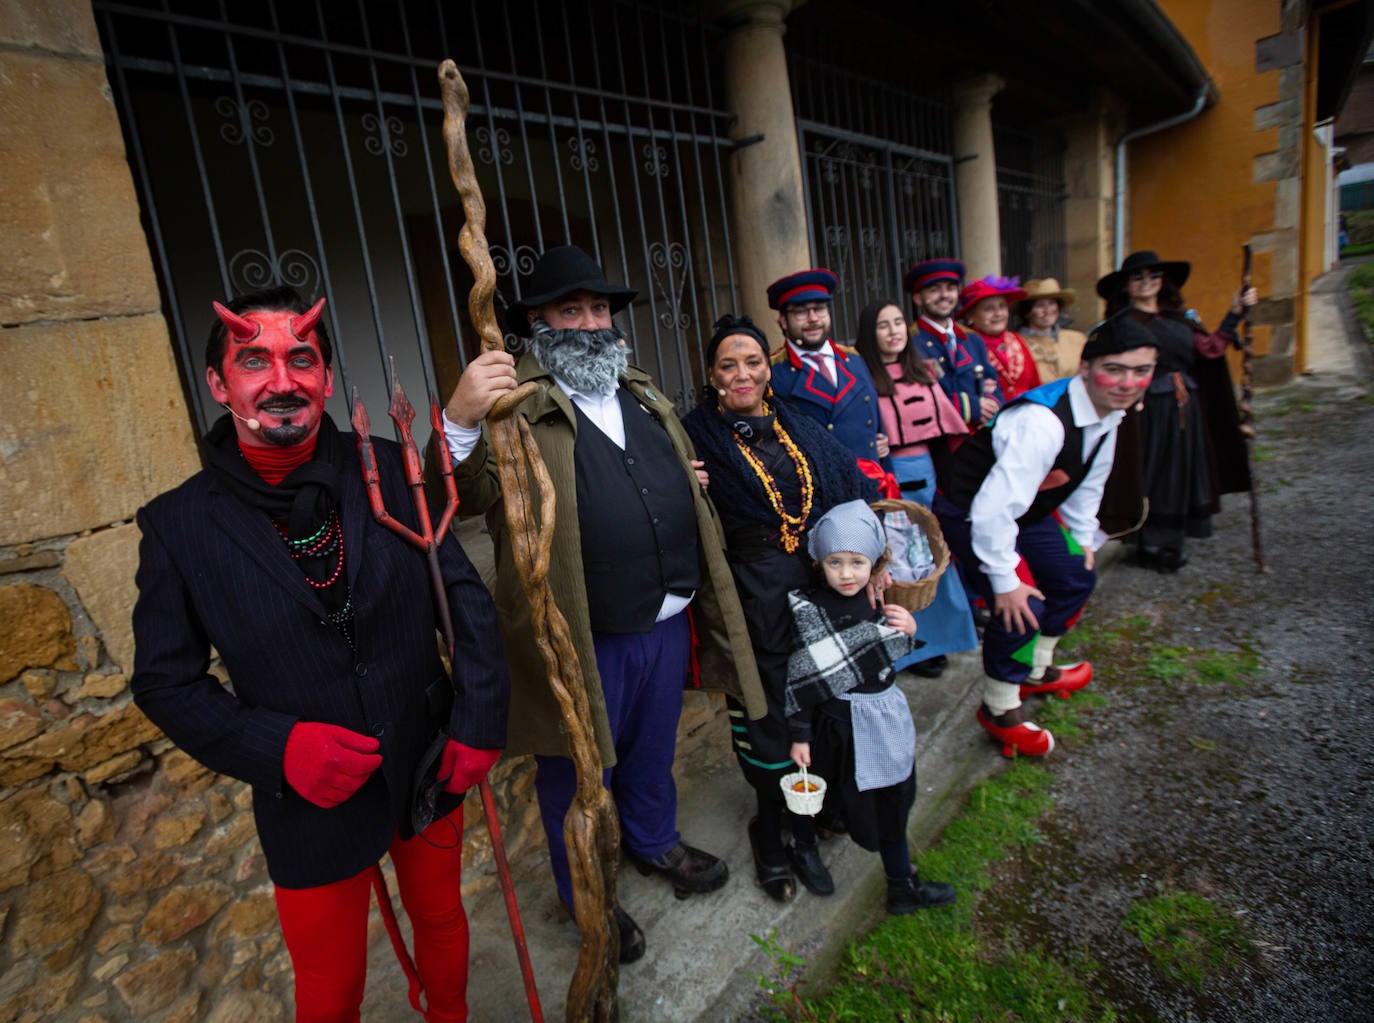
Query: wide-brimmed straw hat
{"points": [[1176, 272], [562, 271], [989, 287], [1046, 287]]}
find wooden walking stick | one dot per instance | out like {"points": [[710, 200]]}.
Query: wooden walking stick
{"points": [[591, 829], [429, 539], [1247, 414]]}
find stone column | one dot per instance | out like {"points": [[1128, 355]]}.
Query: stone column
{"points": [[767, 198], [975, 175], [1089, 170]]}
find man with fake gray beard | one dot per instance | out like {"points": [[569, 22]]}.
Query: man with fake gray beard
{"points": [[637, 567]]}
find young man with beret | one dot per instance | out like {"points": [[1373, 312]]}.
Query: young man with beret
{"points": [[1022, 496]]}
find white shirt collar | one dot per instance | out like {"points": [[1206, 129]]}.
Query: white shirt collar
{"points": [[573, 392]]}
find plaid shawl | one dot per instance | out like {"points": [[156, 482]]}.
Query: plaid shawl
{"points": [[836, 654]]}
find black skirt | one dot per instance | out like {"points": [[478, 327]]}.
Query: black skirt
{"points": [[873, 816]]}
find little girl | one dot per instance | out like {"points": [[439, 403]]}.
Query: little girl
{"points": [[848, 719]]}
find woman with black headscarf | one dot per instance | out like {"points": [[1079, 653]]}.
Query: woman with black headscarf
{"points": [[773, 472]]}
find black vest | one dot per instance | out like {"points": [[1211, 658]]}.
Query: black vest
{"points": [[964, 470], [639, 527]]}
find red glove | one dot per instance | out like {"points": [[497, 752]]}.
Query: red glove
{"points": [[464, 766], [327, 764]]}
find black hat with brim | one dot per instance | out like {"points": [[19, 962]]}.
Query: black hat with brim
{"points": [[562, 271], [1176, 272]]}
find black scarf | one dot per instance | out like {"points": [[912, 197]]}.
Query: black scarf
{"points": [[302, 501]]}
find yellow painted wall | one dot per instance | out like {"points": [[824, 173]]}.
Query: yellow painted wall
{"points": [[1192, 193]]}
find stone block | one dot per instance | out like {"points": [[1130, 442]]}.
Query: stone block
{"points": [[40, 683], [157, 983], [30, 562], [251, 916], [79, 744], [58, 26], [117, 768], [185, 1011], [35, 629], [182, 910], [39, 838], [184, 771], [84, 449], [18, 721], [147, 873], [117, 936], [171, 832], [55, 910], [95, 686], [31, 995], [94, 824], [246, 1007], [69, 218], [235, 834], [101, 569]]}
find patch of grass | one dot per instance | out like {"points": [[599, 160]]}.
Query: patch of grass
{"points": [[1171, 664], [1357, 250], [1260, 453], [1186, 936], [931, 965], [1360, 284]]}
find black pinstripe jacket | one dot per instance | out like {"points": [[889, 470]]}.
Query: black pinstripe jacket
{"points": [[213, 571]]}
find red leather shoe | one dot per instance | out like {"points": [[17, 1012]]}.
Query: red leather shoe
{"points": [[1015, 735], [1062, 681]]}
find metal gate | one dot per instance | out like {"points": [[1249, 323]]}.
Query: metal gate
{"points": [[879, 182], [300, 143], [1030, 203]]}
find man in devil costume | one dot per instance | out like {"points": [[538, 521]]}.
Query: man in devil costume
{"points": [[325, 623], [1019, 500]]}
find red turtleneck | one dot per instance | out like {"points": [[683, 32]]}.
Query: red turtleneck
{"points": [[274, 464]]}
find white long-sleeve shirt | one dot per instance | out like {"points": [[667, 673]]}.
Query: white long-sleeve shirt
{"points": [[1026, 439]]}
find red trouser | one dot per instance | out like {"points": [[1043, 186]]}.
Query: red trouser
{"points": [[325, 930]]}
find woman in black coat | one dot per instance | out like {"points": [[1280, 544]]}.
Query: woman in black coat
{"points": [[773, 472], [1193, 451]]}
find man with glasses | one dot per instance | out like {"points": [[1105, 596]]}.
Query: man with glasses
{"points": [[826, 381], [958, 356]]}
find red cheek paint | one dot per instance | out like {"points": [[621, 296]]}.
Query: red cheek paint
{"points": [[1144, 383], [1104, 380]]}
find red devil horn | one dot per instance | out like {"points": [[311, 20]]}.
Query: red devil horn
{"points": [[302, 325], [243, 330]]}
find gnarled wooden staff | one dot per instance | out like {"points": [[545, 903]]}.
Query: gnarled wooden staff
{"points": [[591, 829], [1247, 414]]}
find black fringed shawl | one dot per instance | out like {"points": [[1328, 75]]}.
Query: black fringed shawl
{"points": [[738, 494]]}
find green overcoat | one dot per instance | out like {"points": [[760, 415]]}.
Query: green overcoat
{"points": [[724, 654]]}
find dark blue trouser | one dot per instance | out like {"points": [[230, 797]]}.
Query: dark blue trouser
{"points": [[642, 675], [1055, 562]]}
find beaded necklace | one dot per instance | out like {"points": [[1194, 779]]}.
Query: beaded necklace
{"points": [[791, 526], [325, 542]]}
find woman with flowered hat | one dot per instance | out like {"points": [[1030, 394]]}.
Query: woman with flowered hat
{"points": [[1055, 348], [1193, 450], [985, 306]]}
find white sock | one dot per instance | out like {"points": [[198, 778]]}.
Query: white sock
{"points": [[1000, 696], [1042, 656]]}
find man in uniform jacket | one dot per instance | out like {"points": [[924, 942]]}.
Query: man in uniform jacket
{"points": [[326, 624], [1022, 496], [957, 355], [823, 380], [635, 544]]}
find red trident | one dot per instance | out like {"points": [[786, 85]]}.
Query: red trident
{"points": [[428, 540]]}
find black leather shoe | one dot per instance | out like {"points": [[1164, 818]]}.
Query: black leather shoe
{"points": [[932, 668], [806, 862], [778, 880], [911, 893], [631, 937], [691, 870]]}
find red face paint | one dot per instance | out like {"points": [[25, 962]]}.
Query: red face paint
{"points": [[1105, 381], [275, 378]]}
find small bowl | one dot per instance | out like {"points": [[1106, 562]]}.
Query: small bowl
{"points": [[803, 792]]}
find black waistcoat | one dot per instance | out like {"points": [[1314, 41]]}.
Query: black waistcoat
{"points": [[970, 464], [639, 527]]}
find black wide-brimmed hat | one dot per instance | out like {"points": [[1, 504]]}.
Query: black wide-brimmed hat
{"points": [[561, 271], [1176, 272]]}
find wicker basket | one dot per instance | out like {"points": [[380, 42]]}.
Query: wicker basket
{"points": [[918, 595], [809, 800]]}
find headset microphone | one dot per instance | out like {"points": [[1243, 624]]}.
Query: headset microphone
{"points": [[252, 424]]}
